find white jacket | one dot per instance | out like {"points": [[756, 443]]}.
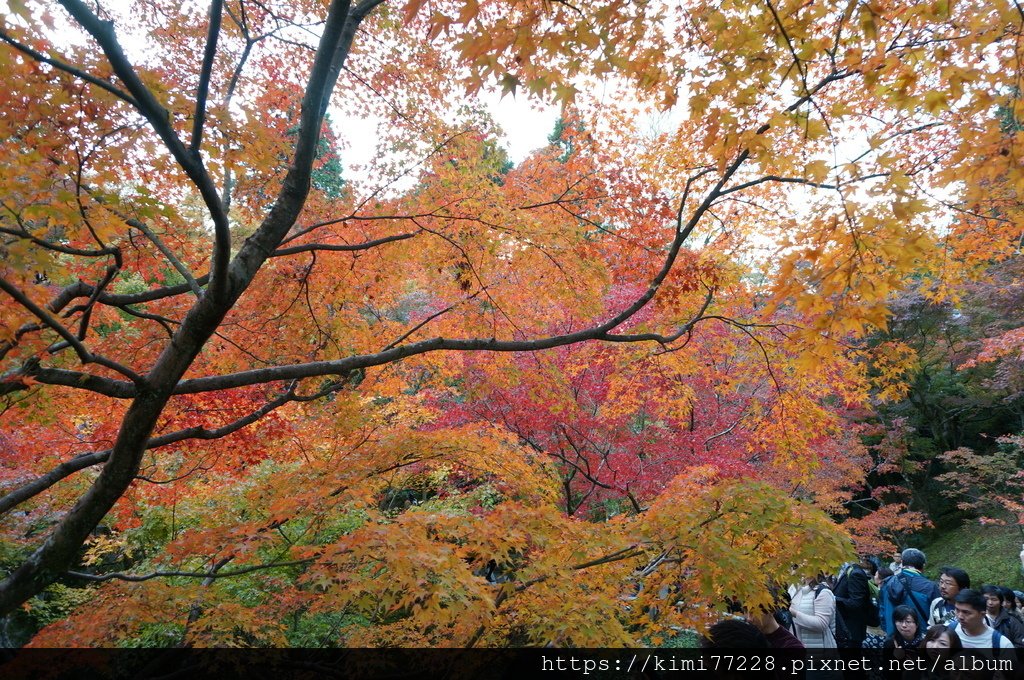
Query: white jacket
{"points": [[814, 618]]}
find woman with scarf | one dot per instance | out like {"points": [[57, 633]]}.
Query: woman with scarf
{"points": [[908, 631]]}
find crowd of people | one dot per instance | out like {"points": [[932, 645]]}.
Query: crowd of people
{"points": [[895, 608]]}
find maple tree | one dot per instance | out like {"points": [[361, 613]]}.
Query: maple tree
{"points": [[951, 434], [620, 422], [984, 476], [199, 319]]}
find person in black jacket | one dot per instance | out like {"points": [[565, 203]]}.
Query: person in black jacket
{"points": [[999, 619], [853, 599]]}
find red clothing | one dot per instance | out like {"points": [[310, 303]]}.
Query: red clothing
{"points": [[783, 639]]}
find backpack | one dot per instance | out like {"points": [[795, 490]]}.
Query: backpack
{"points": [[872, 617], [905, 593], [842, 632], [996, 635]]}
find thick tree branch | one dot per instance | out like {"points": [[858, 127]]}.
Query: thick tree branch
{"points": [[82, 289], [685, 329], [40, 484], [363, 9], [161, 121], [108, 387], [212, 34], [334, 44], [58, 247]]}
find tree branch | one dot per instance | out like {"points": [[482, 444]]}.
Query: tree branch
{"points": [[68, 468], [363, 9], [82, 289], [186, 574], [58, 247], [354, 217], [84, 355], [108, 387], [67, 68], [169, 254], [40, 484], [212, 33], [800, 180], [161, 121], [346, 248], [789, 43], [668, 339], [440, 312]]}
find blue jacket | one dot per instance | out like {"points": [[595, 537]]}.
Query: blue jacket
{"points": [[894, 592]]}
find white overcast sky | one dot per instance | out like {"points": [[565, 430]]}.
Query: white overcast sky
{"points": [[525, 125]]}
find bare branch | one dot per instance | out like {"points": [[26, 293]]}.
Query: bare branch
{"points": [[212, 33], [802, 181], [169, 254], [186, 574], [789, 43], [345, 248]]}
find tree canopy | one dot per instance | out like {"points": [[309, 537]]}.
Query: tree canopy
{"points": [[251, 400]]}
